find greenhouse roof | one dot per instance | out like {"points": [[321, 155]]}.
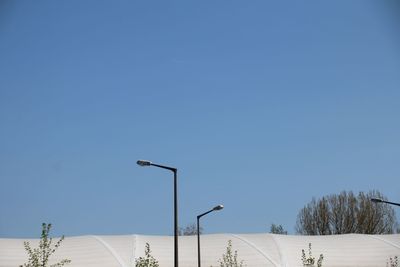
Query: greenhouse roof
{"points": [[254, 249]]}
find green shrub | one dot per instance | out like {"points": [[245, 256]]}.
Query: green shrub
{"points": [[148, 260], [230, 259], [393, 262], [310, 260], [39, 257]]}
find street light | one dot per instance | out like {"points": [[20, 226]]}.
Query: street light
{"points": [[216, 208], [379, 200], [145, 163]]}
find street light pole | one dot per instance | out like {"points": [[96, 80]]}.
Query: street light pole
{"points": [[145, 163], [176, 263], [216, 208], [378, 200]]}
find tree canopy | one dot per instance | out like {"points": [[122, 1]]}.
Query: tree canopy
{"points": [[190, 229], [346, 213], [277, 229]]}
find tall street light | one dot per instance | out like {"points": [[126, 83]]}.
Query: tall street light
{"points": [[378, 200], [216, 208], [145, 163]]}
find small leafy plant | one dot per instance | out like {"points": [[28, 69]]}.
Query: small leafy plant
{"points": [[230, 259], [39, 257], [148, 260], [393, 262], [310, 260]]}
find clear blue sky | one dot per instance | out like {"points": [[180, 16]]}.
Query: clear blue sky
{"points": [[261, 105]]}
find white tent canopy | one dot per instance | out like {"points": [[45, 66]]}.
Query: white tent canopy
{"points": [[254, 249]]}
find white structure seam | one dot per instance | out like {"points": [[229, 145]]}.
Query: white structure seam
{"points": [[111, 250], [281, 256], [384, 240], [134, 247], [256, 248]]}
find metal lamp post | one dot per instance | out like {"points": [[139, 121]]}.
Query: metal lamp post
{"points": [[216, 208], [145, 163], [378, 200]]}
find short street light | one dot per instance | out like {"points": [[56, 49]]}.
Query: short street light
{"points": [[216, 208], [145, 163], [378, 200]]}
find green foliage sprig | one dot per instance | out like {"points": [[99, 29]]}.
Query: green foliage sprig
{"points": [[148, 260], [230, 258], [39, 257], [393, 262], [310, 260]]}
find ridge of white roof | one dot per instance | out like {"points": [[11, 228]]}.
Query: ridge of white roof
{"points": [[255, 250]]}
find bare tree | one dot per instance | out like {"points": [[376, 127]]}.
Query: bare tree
{"points": [[190, 229], [346, 213]]}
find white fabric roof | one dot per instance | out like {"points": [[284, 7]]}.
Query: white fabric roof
{"points": [[254, 249]]}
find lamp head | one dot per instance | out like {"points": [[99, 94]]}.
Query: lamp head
{"points": [[143, 163], [219, 207], [376, 200]]}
